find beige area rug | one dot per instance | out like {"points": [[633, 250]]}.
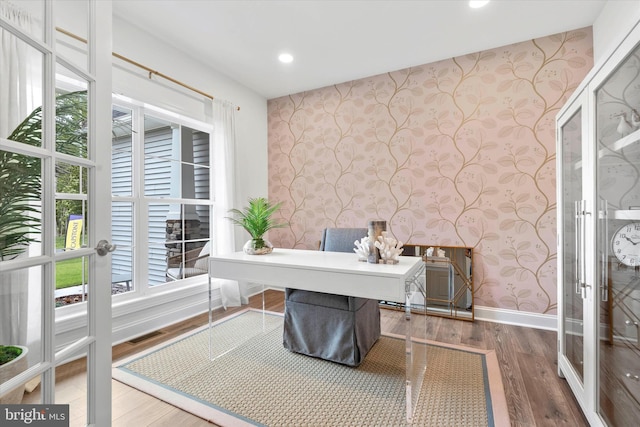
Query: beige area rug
{"points": [[253, 380]]}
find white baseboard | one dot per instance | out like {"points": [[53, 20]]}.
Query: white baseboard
{"points": [[517, 318], [487, 314]]}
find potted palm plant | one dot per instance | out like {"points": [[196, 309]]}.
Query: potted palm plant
{"points": [[256, 219]]}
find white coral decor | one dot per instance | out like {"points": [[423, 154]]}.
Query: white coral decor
{"points": [[390, 248], [362, 248]]}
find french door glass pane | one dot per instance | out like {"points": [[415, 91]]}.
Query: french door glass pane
{"points": [[28, 15], [20, 206], [71, 206], [72, 281], [71, 179], [71, 113], [72, 275], [21, 66], [72, 18], [33, 393], [72, 389], [21, 313], [21, 327], [572, 194]]}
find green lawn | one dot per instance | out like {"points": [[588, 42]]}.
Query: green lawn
{"points": [[69, 272]]}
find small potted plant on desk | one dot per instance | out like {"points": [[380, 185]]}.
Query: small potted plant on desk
{"points": [[256, 219]]}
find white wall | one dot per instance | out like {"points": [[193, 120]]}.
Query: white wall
{"points": [[615, 21]]}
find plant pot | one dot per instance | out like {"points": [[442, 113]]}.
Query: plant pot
{"points": [[257, 247], [10, 370]]}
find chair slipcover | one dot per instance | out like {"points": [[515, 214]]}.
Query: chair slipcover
{"points": [[333, 327]]}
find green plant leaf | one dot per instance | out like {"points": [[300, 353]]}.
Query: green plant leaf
{"points": [[256, 218], [21, 175]]}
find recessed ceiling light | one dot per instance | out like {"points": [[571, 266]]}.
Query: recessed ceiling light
{"points": [[477, 3], [285, 58]]}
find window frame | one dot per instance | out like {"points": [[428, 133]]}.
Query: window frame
{"points": [[140, 287]]}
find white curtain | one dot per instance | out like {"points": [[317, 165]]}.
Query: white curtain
{"points": [[224, 140], [20, 93], [16, 69]]}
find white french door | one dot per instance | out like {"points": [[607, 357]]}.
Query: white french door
{"points": [[60, 128], [575, 345]]}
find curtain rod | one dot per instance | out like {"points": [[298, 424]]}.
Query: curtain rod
{"points": [[144, 67]]}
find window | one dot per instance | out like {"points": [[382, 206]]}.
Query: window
{"points": [[161, 207], [161, 203]]}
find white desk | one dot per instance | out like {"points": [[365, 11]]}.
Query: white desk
{"points": [[336, 273]]}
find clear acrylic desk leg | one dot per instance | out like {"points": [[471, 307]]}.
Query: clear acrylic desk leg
{"points": [[212, 355], [210, 320], [415, 350]]}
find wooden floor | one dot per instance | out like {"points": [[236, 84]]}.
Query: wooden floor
{"points": [[536, 396]]}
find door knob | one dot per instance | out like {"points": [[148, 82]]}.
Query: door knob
{"points": [[104, 247]]}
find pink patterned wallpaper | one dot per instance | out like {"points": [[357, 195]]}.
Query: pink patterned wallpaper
{"points": [[459, 152]]}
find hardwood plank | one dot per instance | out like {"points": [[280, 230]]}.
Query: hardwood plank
{"points": [[550, 340], [472, 335], [182, 419], [520, 409], [139, 409], [450, 331], [546, 398], [534, 341]]}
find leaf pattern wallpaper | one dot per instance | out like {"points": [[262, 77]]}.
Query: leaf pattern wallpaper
{"points": [[460, 152]]}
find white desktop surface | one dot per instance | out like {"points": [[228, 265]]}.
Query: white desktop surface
{"points": [[321, 271]]}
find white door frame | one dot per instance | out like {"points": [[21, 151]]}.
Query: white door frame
{"points": [[99, 307]]}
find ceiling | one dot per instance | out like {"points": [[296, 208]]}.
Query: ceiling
{"points": [[334, 41]]}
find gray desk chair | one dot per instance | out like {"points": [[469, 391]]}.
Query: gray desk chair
{"points": [[338, 328]]}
